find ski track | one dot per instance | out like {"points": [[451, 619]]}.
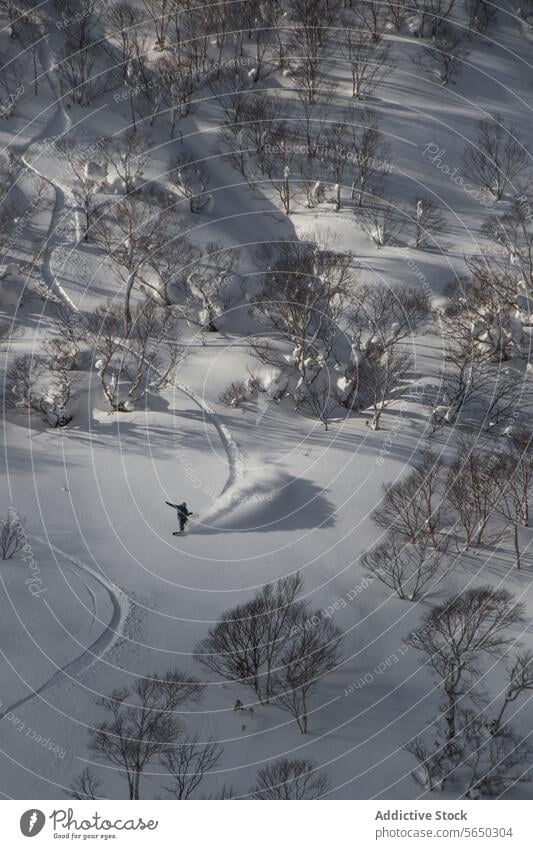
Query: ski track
{"points": [[107, 640]]}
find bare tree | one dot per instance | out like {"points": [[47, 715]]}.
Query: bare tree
{"points": [[526, 11], [519, 681], [12, 536], [369, 60], [381, 379], [428, 221], [444, 56], [482, 759], [371, 15], [512, 231], [319, 398], [496, 157], [80, 54], [124, 20], [262, 116], [413, 506], [189, 762], [86, 785], [143, 362], [472, 489], [434, 14], [380, 220], [127, 155], [180, 86], [11, 87], [381, 315], [191, 179], [493, 762], [305, 45], [143, 723], [435, 762], [410, 570], [379, 318], [246, 644], [160, 15], [396, 11], [206, 283], [478, 338], [86, 186], [302, 298], [278, 164], [456, 636], [514, 483], [12, 10], [480, 16], [290, 778], [336, 161], [307, 658], [132, 232]]}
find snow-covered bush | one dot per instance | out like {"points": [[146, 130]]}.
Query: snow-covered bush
{"points": [[34, 385], [235, 394]]}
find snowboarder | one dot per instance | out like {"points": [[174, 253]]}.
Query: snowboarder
{"points": [[183, 515]]}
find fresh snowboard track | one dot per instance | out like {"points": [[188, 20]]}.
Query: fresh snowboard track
{"points": [[231, 447], [107, 640]]}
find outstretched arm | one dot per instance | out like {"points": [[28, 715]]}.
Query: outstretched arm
{"points": [[175, 506]]}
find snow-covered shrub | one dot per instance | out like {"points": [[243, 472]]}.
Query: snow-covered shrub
{"points": [[234, 394]]}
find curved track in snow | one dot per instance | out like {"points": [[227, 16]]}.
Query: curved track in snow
{"points": [[109, 637]]}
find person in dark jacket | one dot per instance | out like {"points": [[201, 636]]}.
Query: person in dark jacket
{"points": [[183, 514]]}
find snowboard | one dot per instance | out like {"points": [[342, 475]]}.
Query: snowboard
{"points": [[178, 533]]}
